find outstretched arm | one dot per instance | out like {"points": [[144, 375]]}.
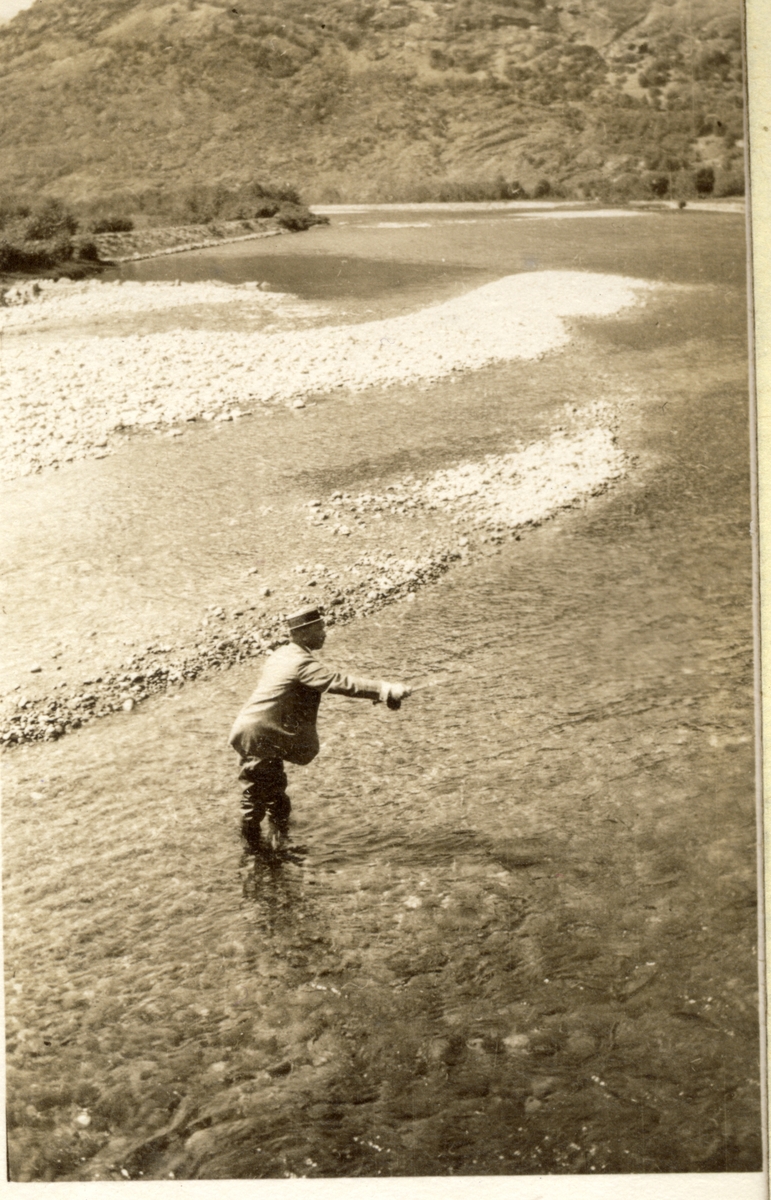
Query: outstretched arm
{"points": [[321, 678]]}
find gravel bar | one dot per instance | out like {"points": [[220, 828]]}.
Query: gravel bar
{"points": [[67, 398]]}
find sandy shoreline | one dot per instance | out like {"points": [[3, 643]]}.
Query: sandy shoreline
{"points": [[78, 397]]}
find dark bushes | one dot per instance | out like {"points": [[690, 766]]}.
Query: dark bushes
{"points": [[705, 181], [42, 238], [50, 220], [475, 190], [253, 202], [296, 217], [20, 257], [37, 222], [111, 225], [87, 251], [202, 203]]}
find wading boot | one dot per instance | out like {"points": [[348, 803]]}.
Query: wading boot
{"points": [[251, 836], [251, 848]]}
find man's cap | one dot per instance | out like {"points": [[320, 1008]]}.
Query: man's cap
{"points": [[305, 616]]}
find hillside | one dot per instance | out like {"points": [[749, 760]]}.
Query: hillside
{"points": [[373, 99]]}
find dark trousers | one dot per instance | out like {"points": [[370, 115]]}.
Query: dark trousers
{"points": [[265, 793]]}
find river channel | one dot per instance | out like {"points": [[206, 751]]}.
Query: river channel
{"points": [[519, 934]]}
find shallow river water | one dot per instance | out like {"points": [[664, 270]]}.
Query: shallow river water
{"points": [[519, 934]]}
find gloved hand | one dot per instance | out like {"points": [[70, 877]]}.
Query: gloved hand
{"points": [[395, 693]]}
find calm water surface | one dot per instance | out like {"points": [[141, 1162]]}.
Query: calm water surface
{"points": [[357, 258]]}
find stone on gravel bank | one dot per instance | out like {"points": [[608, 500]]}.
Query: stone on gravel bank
{"points": [[74, 398]]}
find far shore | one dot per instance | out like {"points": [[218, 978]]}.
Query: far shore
{"points": [[156, 241], [111, 249], [729, 204]]}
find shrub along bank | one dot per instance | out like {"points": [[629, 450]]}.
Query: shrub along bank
{"points": [[48, 237], [38, 238], [630, 183]]}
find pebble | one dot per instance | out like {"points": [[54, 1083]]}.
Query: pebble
{"points": [[580, 1046], [517, 1042], [279, 1069], [542, 1085], [146, 675], [509, 491]]}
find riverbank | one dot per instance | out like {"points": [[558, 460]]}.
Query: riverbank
{"points": [[176, 241], [17, 286], [155, 240], [526, 206]]}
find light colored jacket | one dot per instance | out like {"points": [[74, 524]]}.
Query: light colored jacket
{"points": [[279, 718]]}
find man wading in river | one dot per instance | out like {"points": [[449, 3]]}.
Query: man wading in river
{"points": [[278, 723]]}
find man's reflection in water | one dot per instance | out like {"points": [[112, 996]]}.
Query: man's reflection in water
{"points": [[273, 883]]}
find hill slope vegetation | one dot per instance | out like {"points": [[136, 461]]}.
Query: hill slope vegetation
{"points": [[373, 99]]}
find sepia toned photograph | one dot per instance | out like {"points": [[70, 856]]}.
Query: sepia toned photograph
{"points": [[379, 585]]}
